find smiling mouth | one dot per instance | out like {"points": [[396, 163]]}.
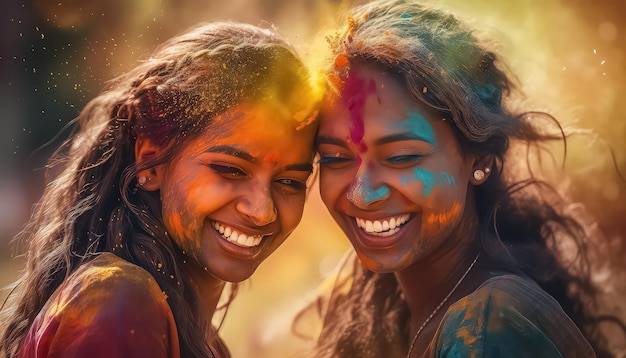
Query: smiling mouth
{"points": [[233, 236], [384, 227]]}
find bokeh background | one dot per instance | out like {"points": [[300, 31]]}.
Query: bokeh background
{"points": [[55, 55]]}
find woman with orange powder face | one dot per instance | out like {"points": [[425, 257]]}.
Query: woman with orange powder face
{"points": [[456, 256], [185, 175]]}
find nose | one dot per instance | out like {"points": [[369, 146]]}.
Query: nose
{"points": [[258, 206], [362, 194]]}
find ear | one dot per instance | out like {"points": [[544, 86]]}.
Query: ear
{"points": [[482, 168], [149, 179]]}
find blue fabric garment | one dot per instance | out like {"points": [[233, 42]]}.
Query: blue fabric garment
{"points": [[508, 316]]}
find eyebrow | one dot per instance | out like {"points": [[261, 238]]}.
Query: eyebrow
{"points": [[230, 150], [304, 167], [400, 137], [331, 140], [380, 141]]}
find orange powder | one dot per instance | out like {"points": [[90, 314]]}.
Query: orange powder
{"points": [[352, 24], [367, 262], [445, 218], [469, 333], [341, 62]]}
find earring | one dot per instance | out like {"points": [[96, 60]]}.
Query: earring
{"points": [[142, 179], [487, 170], [479, 174]]}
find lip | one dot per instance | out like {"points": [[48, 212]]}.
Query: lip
{"points": [[375, 240], [234, 248]]}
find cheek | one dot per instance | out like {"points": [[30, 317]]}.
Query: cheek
{"points": [[291, 208], [178, 224], [178, 212], [437, 193], [423, 182], [328, 187], [444, 217]]}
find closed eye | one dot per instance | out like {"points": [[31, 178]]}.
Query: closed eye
{"points": [[332, 160], [228, 171], [404, 159]]}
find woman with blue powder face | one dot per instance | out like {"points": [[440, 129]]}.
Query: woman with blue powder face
{"points": [[456, 257]]}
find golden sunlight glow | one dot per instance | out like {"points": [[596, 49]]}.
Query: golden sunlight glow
{"points": [[569, 57]]}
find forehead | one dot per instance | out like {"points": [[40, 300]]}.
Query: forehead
{"points": [[257, 128], [379, 101]]}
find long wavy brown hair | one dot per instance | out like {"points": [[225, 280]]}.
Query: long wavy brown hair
{"points": [[523, 222], [92, 204]]}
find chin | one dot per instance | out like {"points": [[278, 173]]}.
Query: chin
{"points": [[236, 277], [231, 272], [239, 279], [380, 263]]}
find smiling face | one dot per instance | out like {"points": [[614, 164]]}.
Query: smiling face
{"points": [[231, 197], [391, 174]]}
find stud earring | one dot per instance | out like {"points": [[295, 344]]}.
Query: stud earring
{"points": [[487, 170], [142, 180], [479, 174]]}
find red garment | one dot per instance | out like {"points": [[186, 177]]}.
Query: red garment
{"points": [[107, 308]]}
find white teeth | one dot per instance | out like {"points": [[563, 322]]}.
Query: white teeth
{"points": [[239, 239], [384, 227]]}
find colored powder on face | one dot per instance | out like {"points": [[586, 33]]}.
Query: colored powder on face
{"points": [[445, 218], [418, 125], [448, 179], [360, 191], [426, 177], [368, 262], [176, 223], [355, 93]]}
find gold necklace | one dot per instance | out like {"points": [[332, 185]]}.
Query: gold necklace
{"points": [[419, 330]]}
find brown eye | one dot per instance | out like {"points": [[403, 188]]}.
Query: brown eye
{"points": [[292, 183]]}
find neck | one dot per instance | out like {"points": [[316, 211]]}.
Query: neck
{"points": [[426, 283], [209, 290], [438, 311], [429, 279]]}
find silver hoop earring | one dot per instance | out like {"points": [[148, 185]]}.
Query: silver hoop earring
{"points": [[479, 174]]}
